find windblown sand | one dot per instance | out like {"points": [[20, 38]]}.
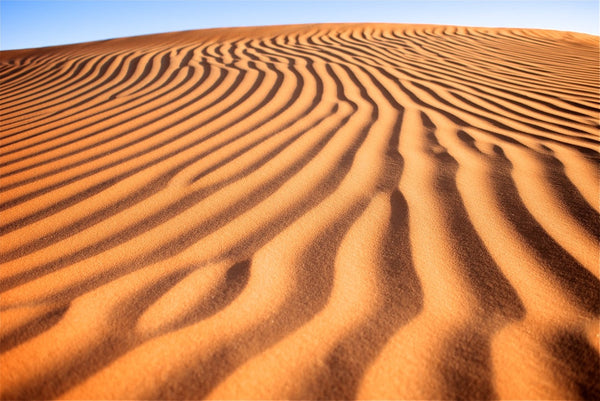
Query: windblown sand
{"points": [[320, 211]]}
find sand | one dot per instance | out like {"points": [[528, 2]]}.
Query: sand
{"points": [[302, 212]]}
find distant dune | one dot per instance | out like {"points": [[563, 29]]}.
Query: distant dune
{"points": [[302, 212]]}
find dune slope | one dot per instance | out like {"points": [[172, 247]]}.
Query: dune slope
{"points": [[302, 212]]}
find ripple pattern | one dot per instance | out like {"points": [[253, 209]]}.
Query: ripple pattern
{"points": [[302, 212]]}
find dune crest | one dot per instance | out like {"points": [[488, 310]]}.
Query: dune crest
{"points": [[331, 211]]}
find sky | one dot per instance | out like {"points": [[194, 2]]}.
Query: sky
{"points": [[38, 23]]}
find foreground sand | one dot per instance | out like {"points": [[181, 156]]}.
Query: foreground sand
{"points": [[330, 211]]}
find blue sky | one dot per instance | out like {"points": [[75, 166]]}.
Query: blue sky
{"points": [[31, 23]]}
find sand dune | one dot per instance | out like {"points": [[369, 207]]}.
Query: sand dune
{"points": [[302, 212]]}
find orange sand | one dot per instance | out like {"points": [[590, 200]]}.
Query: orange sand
{"points": [[302, 212]]}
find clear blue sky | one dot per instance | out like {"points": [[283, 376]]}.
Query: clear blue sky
{"points": [[29, 23]]}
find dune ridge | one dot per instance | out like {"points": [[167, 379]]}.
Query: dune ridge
{"points": [[331, 211]]}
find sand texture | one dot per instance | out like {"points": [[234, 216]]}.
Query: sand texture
{"points": [[302, 212]]}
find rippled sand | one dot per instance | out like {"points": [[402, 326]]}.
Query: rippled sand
{"points": [[318, 211]]}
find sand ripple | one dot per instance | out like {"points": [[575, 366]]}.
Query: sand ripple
{"points": [[301, 212]]}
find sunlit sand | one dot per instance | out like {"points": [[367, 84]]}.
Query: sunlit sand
{"points": [[302, 212]]}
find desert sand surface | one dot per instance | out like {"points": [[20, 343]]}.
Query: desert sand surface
{"points": [[331, 211]]}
